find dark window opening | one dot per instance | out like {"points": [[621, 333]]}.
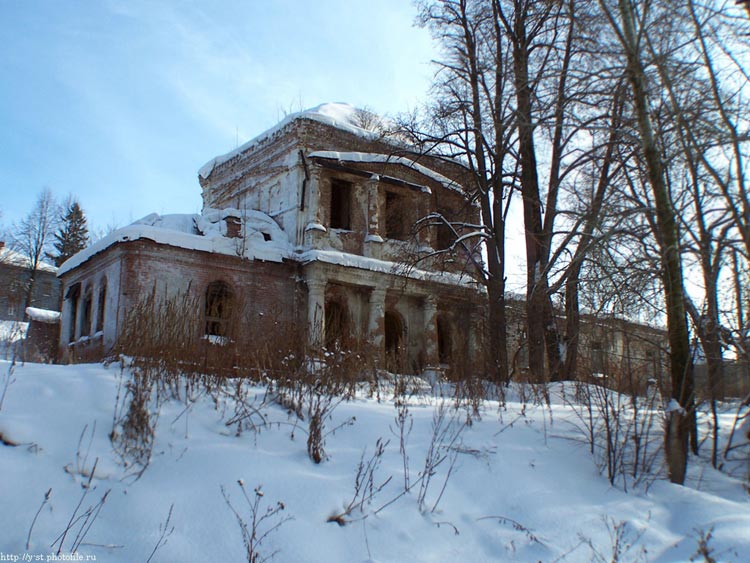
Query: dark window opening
{"points": [[396, 217], [73, 296], [652, 361], [341, 205], [336, 325], [444, 340], [100, 308], [266, 236], [218, 308], [445, 237], [597, 357], [394, 341], [87, 311]]}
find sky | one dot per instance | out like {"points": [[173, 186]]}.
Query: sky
{"points": [[120, 102]]}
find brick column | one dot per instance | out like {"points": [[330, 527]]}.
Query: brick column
{"points": [[316, 293]]}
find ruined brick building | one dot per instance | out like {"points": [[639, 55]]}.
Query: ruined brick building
{"points": [[315, 224], [309, 224]]}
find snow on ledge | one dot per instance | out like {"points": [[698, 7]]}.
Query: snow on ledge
{"points": [[43, 315], [386, 267], [386, 158]]}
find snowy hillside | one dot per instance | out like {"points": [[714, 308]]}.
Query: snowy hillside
{"points": [[522, 484]]}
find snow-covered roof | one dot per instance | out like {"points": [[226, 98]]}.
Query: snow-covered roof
{"points": [[261, 238], [339, 115], [13, 258], [43, 315]]}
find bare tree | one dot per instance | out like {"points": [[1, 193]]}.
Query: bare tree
{"points": [[472, 120], [33, 237], [516, 80], [632, 23]]}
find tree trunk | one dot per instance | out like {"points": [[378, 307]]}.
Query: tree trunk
{"points": [[536, 294], [681, 375], [569, 365], [490, 202]]}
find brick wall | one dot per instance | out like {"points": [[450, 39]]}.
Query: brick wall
{"points": [[265, 293]]}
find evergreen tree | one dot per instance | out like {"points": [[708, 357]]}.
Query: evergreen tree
{"points": [[73, 234]]}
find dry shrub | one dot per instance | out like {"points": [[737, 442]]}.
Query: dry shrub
{"points": [[623, 430], [169, 358], [258, 524], [134, 421]]}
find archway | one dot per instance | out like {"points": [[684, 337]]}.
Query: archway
{"points": [[336, 324], [444, 340], [394, 340]]}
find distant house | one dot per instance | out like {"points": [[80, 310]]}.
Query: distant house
{"points": [[14, 280], [309, 224]]}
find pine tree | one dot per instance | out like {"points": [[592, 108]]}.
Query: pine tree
{"points": [[73, 234]]}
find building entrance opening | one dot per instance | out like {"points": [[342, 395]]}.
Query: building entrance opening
{"points": [[394, 341], [444, 341], [336, 325]]}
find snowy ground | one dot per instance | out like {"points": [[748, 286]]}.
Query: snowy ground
{"points": [[524, 486]]}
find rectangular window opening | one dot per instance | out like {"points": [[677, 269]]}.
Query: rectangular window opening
{"points": [[597, 357], [341, 204], [396, 213]]}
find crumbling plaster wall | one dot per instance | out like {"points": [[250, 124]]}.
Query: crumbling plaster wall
{"points": [[78, 342], [276, 177]]}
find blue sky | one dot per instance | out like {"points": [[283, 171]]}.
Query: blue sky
{"points": [[120, 102]]}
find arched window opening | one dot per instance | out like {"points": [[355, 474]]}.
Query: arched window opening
{"points": [[444, 340], [394, 340], [100, 306], [336, 324], [218, 308], [88, 308], [73, 295]]}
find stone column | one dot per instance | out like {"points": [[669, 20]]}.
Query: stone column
{"points": [[376, 319], [316, 294], [430, 332], [314, 212], [373, 209]]}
